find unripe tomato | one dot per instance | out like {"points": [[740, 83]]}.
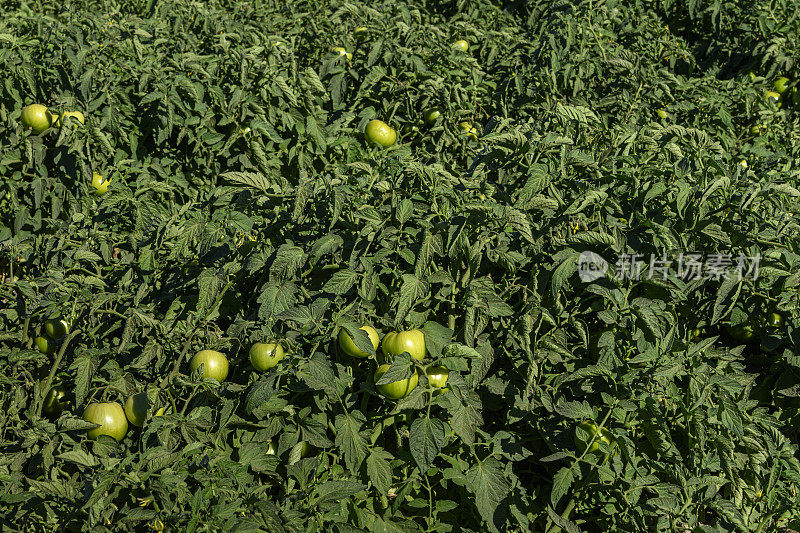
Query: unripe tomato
{"points": [[100, 185], [431, 115], [360, 32], [412, 130], [437, 376], [54, 401], [758, 129], [77, 115], [794, 96], [271, 449], [781, 84], [136, 407], [37, 118], [215, 364], [602, 435], [461, 44], [45, 345], [662, 113], [467, 129], [396, 389], [56, 328], [349, 347], [265, 355], [305, 449], [742, 332], [397, 342], [110, 417], [381, 133], [774, 320], [773, 97], [342, 52]]}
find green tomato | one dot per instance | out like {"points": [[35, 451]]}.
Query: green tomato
{"points": [[342, 52], [461, 44], [379, 132], [431, 115], [662, 113], [437, 376], [271, 449], [136, 407], [396, 389], [773, 97], [45, 345], [758, 129], [37, 118], [110, 417], [781, 84], [265, 355], [599, 435], [56, 328], [360, 32], [54, 401], [100, 185], [215, 364], [77, 115], [397, 342], [742, 332], [349, 347], [794, 96], [774, 320], [467, 129]]}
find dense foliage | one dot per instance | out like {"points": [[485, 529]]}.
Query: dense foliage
{"points": [[221, 193]]}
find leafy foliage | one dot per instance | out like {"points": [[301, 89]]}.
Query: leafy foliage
{"points": [[244, 206]]}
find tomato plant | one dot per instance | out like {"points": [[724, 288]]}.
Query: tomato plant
{"points": [[571, 201]]}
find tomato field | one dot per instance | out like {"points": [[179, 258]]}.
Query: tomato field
{"points": [[413, 265]]}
